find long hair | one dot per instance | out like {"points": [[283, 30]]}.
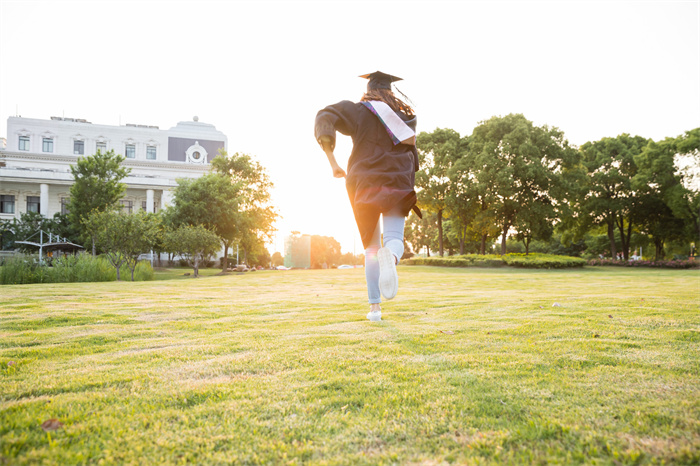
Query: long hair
{"points": [[388, 97]]}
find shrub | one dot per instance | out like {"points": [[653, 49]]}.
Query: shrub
{"points": [[19, 270], [80, 268], [672, 264], [534, 261], [143, 272], [543, 261], [465, 260]]}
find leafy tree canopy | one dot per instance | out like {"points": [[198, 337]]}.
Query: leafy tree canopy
{"points": [[97, 187], [124, 237]]}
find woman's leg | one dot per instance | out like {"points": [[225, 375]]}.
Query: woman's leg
{"points": [[390, 254], [372, 268], [393, 233]]}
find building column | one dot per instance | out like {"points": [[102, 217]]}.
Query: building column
{"points": [[149, 201], [44, 200]]}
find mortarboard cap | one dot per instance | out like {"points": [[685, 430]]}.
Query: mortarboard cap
{"points": [[379, 80]]}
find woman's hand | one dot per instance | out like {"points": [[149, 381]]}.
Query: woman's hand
{"points": [[327, 145], [338, 172]]}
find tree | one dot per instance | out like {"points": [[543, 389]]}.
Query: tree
{"points": [[277, 259], [262, 258], [195, 244], [27, 227], [437, 151], [211, 201], [535, 223], [468, 204], [421, 233], [351, 259], [97, 187], [608, 198], [255, 214], [685, 202], [324, 250], [231, 201], [124, 237], [62, 226], [656, 184], [517, 169]]}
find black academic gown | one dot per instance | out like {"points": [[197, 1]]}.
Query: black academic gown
{"points": [[380, 175]]}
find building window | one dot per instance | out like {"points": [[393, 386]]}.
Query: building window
{"points": [[24, 143], [33, 204], [127, 206], [151, 152], [47, 145], [102, 147], [130, 151], [7, 204], [145, 203], [79, 147], [65, 201]]}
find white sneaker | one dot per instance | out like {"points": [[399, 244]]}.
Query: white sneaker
{"points": [[374, 316], [388, 278]]}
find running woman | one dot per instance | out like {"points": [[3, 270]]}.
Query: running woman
{"points": [[380, 177]]}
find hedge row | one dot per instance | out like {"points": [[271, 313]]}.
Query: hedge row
{"points": [[531, 261], [467, 260], [674, 264], [543, 261]]}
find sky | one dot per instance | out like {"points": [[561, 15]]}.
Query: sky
{"points": [[260, 71]]}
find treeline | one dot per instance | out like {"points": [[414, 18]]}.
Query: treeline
{"points": [[315, 252], [226, 208], [512, 182]]}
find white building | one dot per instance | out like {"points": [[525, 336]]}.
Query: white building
{"points": [[35, 162]]}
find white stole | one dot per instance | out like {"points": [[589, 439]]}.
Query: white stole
{"points": [[399, 131]]}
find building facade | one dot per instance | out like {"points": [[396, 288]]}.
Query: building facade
{"points": [[35, 163]]}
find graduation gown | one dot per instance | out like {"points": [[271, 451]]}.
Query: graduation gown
{"points": [[380, 175]]}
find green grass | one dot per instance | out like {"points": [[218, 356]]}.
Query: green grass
{"points": [[185, 272], [470, 366]]}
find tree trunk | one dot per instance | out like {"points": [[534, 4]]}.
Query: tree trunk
{"points": [[439, 222], [196, 268], [461, 246], [224, 264], [482, 251], [659, 249], [503, 239], [94, 249], [611, 238], [527, 245], [625, 238]]}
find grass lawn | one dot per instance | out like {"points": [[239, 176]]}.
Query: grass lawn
{"points": [[171, 273], [470, 366]]}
